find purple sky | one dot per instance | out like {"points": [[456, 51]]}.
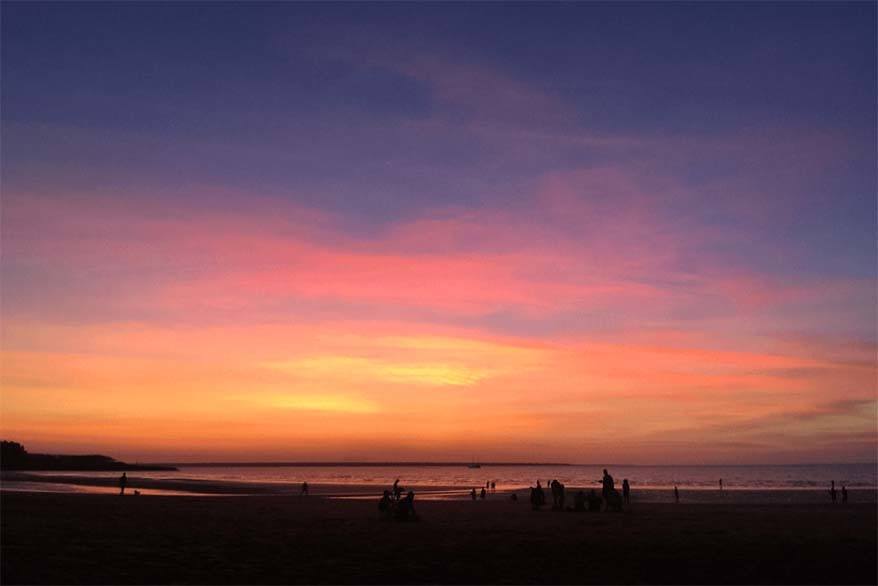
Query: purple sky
{"points": [[687, 191]]}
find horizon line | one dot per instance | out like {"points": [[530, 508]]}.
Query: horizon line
{"points": [[361, 463]]}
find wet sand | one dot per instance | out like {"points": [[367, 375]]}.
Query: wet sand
{"points": [[102, 539], [150, 486]]}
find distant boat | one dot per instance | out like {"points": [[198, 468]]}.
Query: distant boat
{"points": [[473, 465]]}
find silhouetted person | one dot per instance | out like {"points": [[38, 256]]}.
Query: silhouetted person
{"points": [[832, 492], [384, 505], [555, 485], [483, 494], [607, 486], [487, 484], [409, 502], [676, 495], [405, 507], [473, 494], [123, 482], [396, 489], [514, 497], [537, 498], [720, 484], [541, 496], [304, 491], [844, 494], [626, 491], [493, 486]]}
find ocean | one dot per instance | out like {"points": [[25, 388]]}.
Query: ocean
{"points": [[780, 477]]}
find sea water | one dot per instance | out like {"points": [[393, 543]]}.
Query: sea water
{"points": [[762, 477]]}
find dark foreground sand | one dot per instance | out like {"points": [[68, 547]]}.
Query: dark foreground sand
{"points": [[100, 539]]}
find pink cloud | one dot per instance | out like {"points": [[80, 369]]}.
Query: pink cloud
{"points": [[564, 252]]}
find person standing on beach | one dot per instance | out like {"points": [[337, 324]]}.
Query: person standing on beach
{"points": [[844, 494], [607, 486], [832, 494], [123, 482], [407, 506], [720, 484], [626, 491], [493, 486], [304, 491], [484, 494], [537, 498], [676, 494], [473, 494]]}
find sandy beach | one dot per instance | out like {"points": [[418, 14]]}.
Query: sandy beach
{"points": [[103, 539]]}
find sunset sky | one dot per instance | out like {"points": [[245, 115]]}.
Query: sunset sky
{"points": [[632, 233]]}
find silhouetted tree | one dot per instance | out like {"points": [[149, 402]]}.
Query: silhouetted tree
{"points": [[12, 454]]}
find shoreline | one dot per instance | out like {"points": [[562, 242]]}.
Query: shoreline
{"points": [[47, 483]]}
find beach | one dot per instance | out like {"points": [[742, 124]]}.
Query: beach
{"points": [[267, 539]]}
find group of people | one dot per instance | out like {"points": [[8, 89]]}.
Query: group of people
{"points": [[610, 498], [393, 505], [483, 494]]}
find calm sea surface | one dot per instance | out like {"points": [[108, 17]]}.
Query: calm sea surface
{"points": [[507, 477]]}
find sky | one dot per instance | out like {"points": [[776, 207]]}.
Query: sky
{"points": [[572, 232]]}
